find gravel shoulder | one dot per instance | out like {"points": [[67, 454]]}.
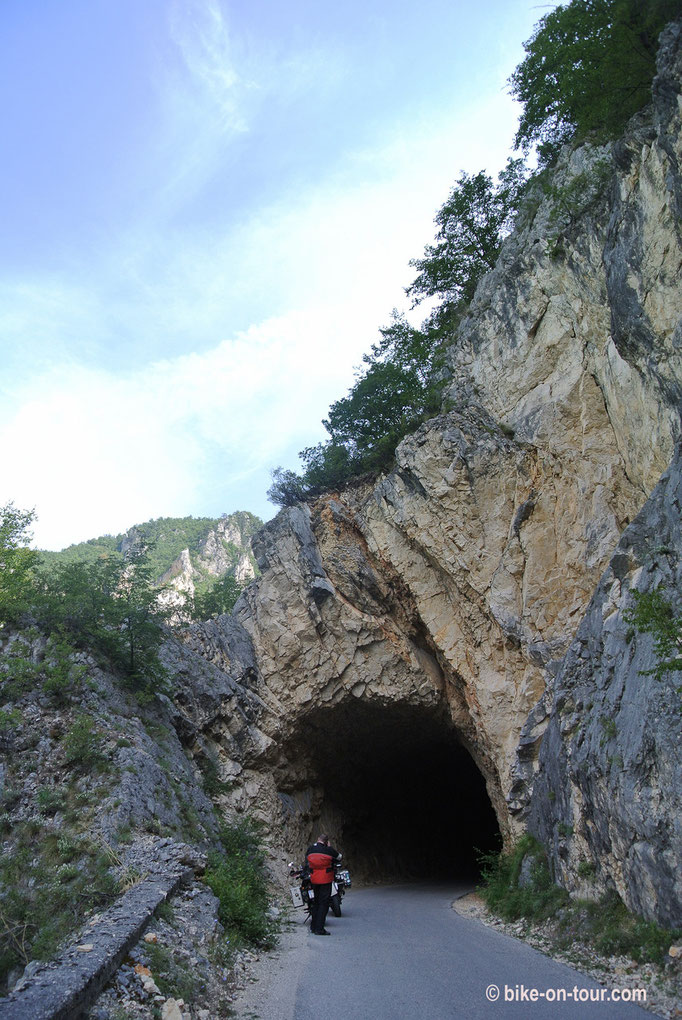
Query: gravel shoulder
{"points": [[663, 985], [280, 969]]}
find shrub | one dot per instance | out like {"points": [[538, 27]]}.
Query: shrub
{"points": [[237, 878], [519, 884], [82, 745], [613, 930], [537, 898]]}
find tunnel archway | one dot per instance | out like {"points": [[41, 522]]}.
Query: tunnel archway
{"points": [[404, 797]]}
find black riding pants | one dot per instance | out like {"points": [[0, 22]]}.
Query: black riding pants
{"points": [[323, 894]]}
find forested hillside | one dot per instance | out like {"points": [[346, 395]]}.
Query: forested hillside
{"points": [[166, 538]]}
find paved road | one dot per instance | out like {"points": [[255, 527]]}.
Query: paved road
{"points": [[402, 953]]}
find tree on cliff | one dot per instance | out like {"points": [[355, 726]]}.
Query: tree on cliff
{"points": [[218, 599], [588, 68], [17, 562], [472, 224], [402, 383], [111, 607]]}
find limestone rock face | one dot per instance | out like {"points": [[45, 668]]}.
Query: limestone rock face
{"points": [[606, 801], [453, 588]]}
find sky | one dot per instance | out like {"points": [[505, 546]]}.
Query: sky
{"points": [[208, 210]]}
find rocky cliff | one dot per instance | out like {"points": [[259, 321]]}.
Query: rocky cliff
{"points": [[442, 603], [224, 549]]}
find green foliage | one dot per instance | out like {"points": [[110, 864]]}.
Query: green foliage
{"points": [[402, 383], [109, 606], [605, 924], [538, 899], [172, 975], [471, 226], [218, 599], [82, 745], [212, 783], [237, 878], [62, 676], [574, 197], [399, 389], [9, 719], [287, 487], [50, 800], [48, 883], [17, 563], [609, 926], [653, 614], [165, 538], [243, 838], [588, 68], [609, 726]]}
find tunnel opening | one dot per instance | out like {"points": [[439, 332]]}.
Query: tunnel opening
{"points": [[408, 799]]}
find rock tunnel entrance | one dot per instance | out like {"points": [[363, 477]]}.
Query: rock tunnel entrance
{"points": [[404, 798]]}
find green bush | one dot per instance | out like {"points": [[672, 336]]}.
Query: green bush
{"points": [[62, 675], [538, 899], [82, 745], [49, 882], [609, 926], [237, 878], [653, 613]]}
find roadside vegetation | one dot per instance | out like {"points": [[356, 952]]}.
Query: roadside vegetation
{"points": [[588, 68], [48, 882], [236, 875], [518, 884]]}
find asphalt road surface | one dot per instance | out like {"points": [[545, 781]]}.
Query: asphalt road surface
{"points": [[403, 953]]}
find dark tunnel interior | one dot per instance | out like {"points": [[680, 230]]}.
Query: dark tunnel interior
{"points": [[413, 802]]}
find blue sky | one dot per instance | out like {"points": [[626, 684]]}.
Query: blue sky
{"points": [[208, 209]]}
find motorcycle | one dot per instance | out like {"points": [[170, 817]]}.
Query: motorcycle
{"points": [[339, 885], [303, 895]]}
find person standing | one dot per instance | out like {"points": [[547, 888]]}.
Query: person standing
{"points": [[321, 858]]}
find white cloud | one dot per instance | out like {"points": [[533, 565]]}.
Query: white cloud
{"points": [[95, 452]]}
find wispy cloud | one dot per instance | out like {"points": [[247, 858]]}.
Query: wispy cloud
{"points": [[200, 30]]}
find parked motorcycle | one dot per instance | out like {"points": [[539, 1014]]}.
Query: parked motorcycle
{"points": [[339, 885], [302, 893]]}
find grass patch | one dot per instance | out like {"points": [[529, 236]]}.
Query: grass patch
{"points": [[173, 977], [609, 926], [48, 882]]}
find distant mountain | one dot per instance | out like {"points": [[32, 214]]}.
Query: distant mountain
{"points": [[187, 553]]}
